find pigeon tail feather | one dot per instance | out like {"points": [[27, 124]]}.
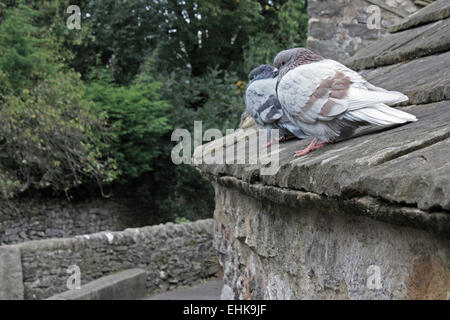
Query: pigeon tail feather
{"points": [[380, 114], [360, 98]]}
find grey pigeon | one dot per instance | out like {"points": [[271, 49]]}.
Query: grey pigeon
{"points": [[327, 100], [263, 105]]}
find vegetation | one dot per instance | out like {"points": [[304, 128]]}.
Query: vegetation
{"points": [[96, 107]]}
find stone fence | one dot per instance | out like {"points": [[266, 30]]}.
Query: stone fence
{"points": [[172, 254]]}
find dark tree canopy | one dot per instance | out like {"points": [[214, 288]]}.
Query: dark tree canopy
{"points": [[96, 106]]}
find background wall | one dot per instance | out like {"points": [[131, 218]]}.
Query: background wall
{"points": [[172, 254], [34, 218], [338, 28]]}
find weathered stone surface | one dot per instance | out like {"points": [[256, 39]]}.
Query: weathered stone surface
{"points": [[274, 251], [423, 80], [438, 10], [402, 46], [437, 222], [11, 284], [172, 255], [339, 170], [393, 180], [124, 285], [429, 279], [364, 218], [27, 218], [337, 29]]}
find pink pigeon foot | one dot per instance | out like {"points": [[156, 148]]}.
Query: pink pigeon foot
{"points": [[312, 146], [282, 139]]}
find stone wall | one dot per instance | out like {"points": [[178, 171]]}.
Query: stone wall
{"points": [[28, 218], [274, 251], [363, 218], [172, 254], [338, 28]]}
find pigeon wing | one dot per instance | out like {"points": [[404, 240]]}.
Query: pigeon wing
{"points": [[327, 89], [270, 111], [257, 95]]}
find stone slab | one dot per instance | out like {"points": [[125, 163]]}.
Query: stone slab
{"points": [[394, 180], [11, 283], [435, 11], [124, 285], [338, 170], [423, 80], [403, 46]]}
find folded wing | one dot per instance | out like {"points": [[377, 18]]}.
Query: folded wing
{"points": [[327, 90]]}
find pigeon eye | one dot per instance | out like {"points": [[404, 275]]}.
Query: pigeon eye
{"points": [[283, 63]]}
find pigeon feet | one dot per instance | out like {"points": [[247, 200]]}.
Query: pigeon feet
{"points": [[312, 146], [282, 139]]}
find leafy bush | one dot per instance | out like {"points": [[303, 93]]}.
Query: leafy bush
{"points": [[49, 137], [146, 68], [138, 119], [285, 26], [216, 99], [23, 61]]}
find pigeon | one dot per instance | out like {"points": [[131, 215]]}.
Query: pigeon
{"points": [[327, 100], [263, 106]]}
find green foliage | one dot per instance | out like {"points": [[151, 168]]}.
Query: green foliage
{"points": [[215, 98], [138, 120], [146, 68], [22, 61], [205, 33], [181, 220], [116, 34], [49, 136], [285, 26]]}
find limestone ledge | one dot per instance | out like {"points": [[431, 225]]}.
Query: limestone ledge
{"points": [[407, 165], [437, 10]]}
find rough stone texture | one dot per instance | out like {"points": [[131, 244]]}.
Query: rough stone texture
{"points": [[324, 224], [342, 169], [273, 251], [338, 28], [436, 11], [124, 285], [423, 80], [26, 218], [172, 254], [406, 45], [11, 284]]}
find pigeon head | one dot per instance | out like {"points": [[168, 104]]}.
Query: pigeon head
{"points": [[291, 58], [264, 71]]}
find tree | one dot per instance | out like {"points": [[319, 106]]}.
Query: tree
{"points": [[49, 136], [118, 35], [137, 118], [205, 33]]}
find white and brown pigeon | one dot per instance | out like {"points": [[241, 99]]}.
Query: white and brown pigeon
{"points": [[263, 105], [327, 100]]}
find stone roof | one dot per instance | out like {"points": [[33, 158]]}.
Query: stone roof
{"points": [[400, 175]]}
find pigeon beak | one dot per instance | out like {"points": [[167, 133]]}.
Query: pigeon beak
{"points": [[275, 72]]}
